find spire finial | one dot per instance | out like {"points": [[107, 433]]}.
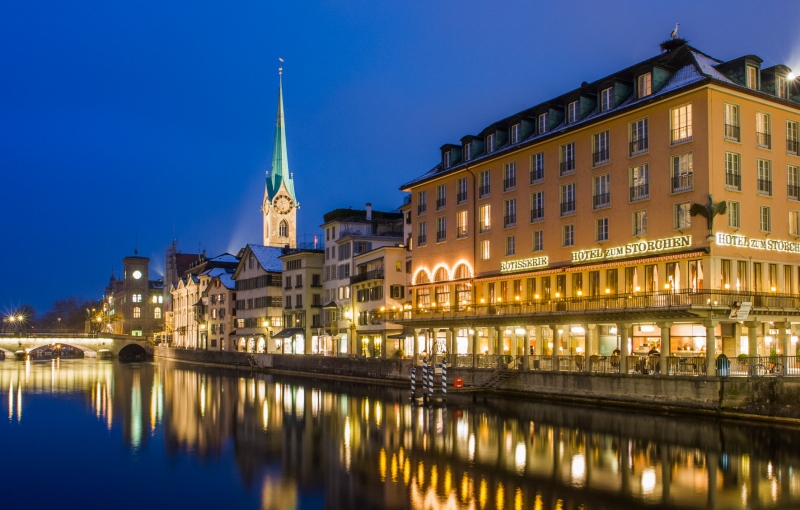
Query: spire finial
{"points": [[280, 69]]}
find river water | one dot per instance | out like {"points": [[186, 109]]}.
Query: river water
{"points": [[102, 434]]}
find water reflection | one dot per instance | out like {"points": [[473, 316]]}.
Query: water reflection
{"points": [[352, 445]]}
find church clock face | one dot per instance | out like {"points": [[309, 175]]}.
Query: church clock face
{"points": [[283, 204]]}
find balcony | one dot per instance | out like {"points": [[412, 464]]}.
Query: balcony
{"points": [[422, 240], [440, 203], [537, 174], [600, 157], [441, 236], [483, 191], [639, 146], [732, 132], [683, 182], [793, 146], [640, 192], [682, 134], [509, 184], [601, 201], [793, 192], [461, 197], [422, 208], [567, 208], [733, 181], [298, 286], [537, 214], [509, 220], [765, 187], [567, 167], [764, 140]]}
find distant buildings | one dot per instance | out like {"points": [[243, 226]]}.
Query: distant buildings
{"points": [[134, 303]]}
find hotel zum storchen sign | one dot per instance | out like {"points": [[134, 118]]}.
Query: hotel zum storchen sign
{"points": [[758, 244], [638, 248], [511, 266]]}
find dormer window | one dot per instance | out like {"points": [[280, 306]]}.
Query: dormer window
{"points": [[752, 77], [515, 133], [467, 151], [572, 112], [543, 118], [447, 159], [605, 99], [645, 84], [780, 87], [490, 143]]}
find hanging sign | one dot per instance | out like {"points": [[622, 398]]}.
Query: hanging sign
{"points": [[757, 244], [740, 311], [638, 248]]}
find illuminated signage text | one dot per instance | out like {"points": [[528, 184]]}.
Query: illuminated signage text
{"points": [[638, 248], [512, 266]]}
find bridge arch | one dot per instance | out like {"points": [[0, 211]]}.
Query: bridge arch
{"points": [[60, 349], [132, 351]]}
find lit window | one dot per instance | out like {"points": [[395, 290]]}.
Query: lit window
{"points": [[794, 223], [639, 223], [682, 217], [681, 119], [137, 312], [485, 250], [645, 84], [763, 131], [461, 224], [752, 77], [485, 217], [136, 298], [157, 313], [732, 130]]}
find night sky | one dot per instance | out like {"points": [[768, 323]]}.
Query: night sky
{"points": [[158, 117]]}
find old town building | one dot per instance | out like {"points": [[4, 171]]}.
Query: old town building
{"points": [[259, 310], [134, 304], [302, 302]]}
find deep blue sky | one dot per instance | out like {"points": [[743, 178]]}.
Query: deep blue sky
{"points": [[118, 116]]}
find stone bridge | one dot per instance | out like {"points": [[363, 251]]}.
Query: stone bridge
{"points": [[90, 344]]}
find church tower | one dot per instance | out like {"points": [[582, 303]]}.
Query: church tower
{"points": [[280, 203]]}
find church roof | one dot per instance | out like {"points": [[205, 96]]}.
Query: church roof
{"points": [[279, 174]]}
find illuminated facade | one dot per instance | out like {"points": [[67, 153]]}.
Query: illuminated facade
{"points": [[135, 303], [560, 230], [258, 299], [302, 303]]}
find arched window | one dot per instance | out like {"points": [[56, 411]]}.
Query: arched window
{"points": [[157, 313], [442, 292], [422, 277], [283, 229], [137, 312]]}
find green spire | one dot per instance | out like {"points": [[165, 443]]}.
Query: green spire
{"points": [[280, 160]]}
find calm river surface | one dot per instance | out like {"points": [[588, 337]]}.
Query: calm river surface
{"points": [[101, 434]]}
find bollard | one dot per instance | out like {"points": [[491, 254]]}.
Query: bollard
{"points": [[424, 375], [430, 380], [444, 379], [413, 381]]}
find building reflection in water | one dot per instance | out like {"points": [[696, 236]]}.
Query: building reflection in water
{"points": [[353, 445]]}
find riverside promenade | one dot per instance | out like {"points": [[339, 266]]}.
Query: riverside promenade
{"points": [[757, 398]]}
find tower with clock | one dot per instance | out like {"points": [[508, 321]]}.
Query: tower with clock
{"points": [[280, 203]]}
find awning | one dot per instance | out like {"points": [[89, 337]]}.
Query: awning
{"points": [[288, 332], [398, 336]]}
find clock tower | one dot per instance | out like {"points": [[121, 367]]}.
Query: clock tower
{"points": [[280, 203]]}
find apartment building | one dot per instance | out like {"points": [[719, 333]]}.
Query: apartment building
{"points": [[259, 310], [302, 303]]}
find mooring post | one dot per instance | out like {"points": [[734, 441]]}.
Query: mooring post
{"points": [[413, 381], [444, 379]]}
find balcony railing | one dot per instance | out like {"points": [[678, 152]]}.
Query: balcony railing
{"points": [[682, 134], [793, 192], [461, 197], [510, 183], [793, 146], [640, 192], [567, 167], [732, 132], [683, 182], [441, 236], [537, 214], [422, 208], [600, 157], [375, 274], [763, 140], [509, 220], [537, 174], [461, 231], [440, 203], [639, 146], [567, 207], [484, 191], [765, 186], [733, 181], [600, 201], [422, 239]]}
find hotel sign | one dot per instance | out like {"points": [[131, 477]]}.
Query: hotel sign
{"points": [[758, 244], [638, 248], [512, 266]]}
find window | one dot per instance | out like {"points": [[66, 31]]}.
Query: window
{"points": [[793, 182], [572, 112], [640, 183], [490, 143], [510, 213], [792, 138], [606, 99], [763, 132], [484, 187], [765, 177], [682, 174], [569, 235], [602, 191], [299, 301], [441, 229], [732, 126], [794, 223], [601, 152], [283, 229], [601, 229], [682, 219], [733, 171], [468, 151], [765, 216], [461, 224], [422, 234], [640, 223], [538, 240], [537, 206], [441, 197], [510, 250], [485, 249], [461, 190], [288, 302], [645, 83], [510, 176], [568, 158], [422, 202], [780, 86], [136, 332], [752, 77], [544, 118], [447, 159], [681, 123], [639, 143], [568, 199], [594, 283], [485, 223], [252, 261], [137, 312], [537, 167], [515, 133], [734, 214]]}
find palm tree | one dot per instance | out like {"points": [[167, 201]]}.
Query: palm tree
{"points": [[709, 211]]}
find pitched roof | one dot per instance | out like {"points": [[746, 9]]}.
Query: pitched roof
{"points": [[267, 256]]}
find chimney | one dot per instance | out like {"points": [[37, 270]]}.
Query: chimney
{"points": [[369, 211]]}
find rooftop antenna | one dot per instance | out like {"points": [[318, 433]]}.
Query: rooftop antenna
{"points": [[674, 33], [136, 248]]}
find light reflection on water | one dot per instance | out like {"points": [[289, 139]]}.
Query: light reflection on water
{"points": [[344, 445]]}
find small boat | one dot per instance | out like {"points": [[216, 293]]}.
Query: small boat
{"points": [[2, 355], [20, 355]]}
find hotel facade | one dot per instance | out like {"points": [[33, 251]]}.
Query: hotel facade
{"points": [[558, 235]]}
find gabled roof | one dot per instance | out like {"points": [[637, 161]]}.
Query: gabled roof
{"points": [[267, 256]]}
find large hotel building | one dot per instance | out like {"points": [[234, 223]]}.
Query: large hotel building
{"points": [[658, 207]]}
